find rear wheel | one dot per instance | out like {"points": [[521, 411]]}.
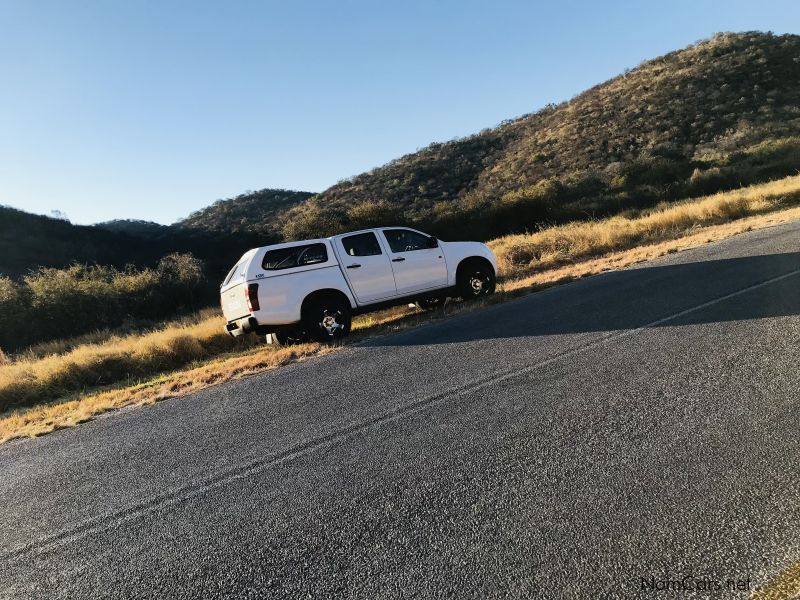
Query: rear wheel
{"points": [[327, 319], [475, 280]]}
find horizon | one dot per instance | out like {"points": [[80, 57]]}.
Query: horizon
{"points": [[159, 130]]}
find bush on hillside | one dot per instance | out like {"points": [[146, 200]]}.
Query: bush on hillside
{"points": [[373, 214], [311, 222]]}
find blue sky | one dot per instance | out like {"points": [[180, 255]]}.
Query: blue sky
{"points": [[151, 110]]}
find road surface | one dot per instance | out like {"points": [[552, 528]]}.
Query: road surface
{"points": [[594, 440]]}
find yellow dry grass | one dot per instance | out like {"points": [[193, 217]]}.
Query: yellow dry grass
{"points": [[46, 418], [130, 358], [691, 238], [783, 587], [196, 354], [522, 254]]}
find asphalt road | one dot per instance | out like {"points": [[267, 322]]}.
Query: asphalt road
{"points": [[635, 425]]}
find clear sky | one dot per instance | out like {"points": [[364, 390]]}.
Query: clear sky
{"points": [[153, 109]]}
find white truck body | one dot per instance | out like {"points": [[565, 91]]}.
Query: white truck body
{"points": [[371, 268]]}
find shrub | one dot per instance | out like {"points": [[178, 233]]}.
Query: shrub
{"points": [[57, 303], [310, 222], [544, 193], [527, 207], [181, 273], [708, 180], [14, 311], [373, 214]]}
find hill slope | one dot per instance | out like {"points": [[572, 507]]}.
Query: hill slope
{"points": [[252, 211], [696, 120], [133, 227], [29, 241]]}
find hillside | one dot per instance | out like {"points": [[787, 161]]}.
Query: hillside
{"points": [[217, 234], [716, 115], [28, 242], [252, 211], [133, 227]]}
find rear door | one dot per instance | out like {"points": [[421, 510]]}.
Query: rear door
{"points": [[417, 261], [232, 296], [366, 267]]}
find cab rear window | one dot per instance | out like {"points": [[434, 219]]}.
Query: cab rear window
{"points": [[296, 256]]}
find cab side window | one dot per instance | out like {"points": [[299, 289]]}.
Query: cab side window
{"points": [[405, 240], [361, 244]]}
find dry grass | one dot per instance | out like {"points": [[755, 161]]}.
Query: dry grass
{"points": [[83, 375], [49, 417], [101, 336], [129, 359], [624, 258], [783, 587], [522, 254]]}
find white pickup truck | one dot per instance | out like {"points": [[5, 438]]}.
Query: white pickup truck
{"points": [[311, 289]]}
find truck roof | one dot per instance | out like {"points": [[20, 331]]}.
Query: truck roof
{"points": [[331, 237]]}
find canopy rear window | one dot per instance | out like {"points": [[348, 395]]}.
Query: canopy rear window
{"points": [[237, 269]]}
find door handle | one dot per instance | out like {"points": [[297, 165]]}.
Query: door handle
{"points": [[354, 266], [401, 259]]}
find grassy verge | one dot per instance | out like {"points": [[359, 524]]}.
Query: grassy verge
{"points": [[94, 377], [125, 359], [519, 255]]}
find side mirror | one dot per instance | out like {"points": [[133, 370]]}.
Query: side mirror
{"points": [[433, 242]]}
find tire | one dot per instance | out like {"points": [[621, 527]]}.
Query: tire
{"points": [[430, 303], [327, 319], [475, 279]]}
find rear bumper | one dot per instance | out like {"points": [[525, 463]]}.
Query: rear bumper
{"points": [[249, 324], [241, 326]]}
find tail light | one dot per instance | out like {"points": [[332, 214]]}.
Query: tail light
{"points": [[251, 293]]}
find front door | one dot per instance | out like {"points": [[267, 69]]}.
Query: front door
{"points": [[367, 267], [417, 261]]}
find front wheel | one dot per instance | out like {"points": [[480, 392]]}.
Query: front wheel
{"points": [[328, 319], [475, 280]]}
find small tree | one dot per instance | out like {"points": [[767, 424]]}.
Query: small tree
{"points": [[13, 313], [373, 214], [310, 221], [183, 270]]}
